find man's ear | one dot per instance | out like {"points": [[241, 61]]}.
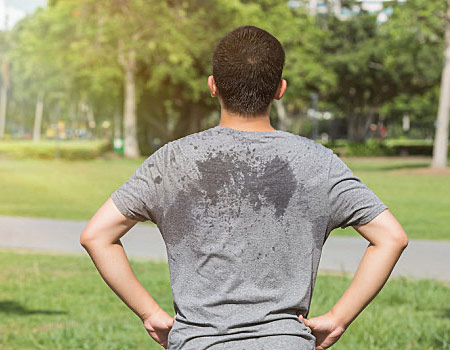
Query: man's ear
{"points": [[212, 86], [281, 89]]}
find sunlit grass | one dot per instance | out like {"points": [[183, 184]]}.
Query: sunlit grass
{"points": [[60, 302], [419, 200]]}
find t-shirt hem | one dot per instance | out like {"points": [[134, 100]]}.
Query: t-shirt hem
{"points": [[372, 215], [119, 204]]}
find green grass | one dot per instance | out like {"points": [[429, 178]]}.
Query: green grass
{"points": [[75, 189], [420, 202], [60, 188], [60, 302]]}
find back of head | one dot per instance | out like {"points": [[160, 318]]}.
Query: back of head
{"points": [[247, 67]]}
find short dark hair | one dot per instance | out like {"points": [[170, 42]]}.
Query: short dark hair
{"points": [[247, 67]]}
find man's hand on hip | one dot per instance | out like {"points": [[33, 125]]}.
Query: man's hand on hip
{"points": [[158, 326], [326, 330]]}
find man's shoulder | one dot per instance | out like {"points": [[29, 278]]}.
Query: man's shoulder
{"points": [[185, 144], [311, 146], [199, 135]]}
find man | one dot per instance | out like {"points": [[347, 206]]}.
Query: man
{"points": [[244, 210]]}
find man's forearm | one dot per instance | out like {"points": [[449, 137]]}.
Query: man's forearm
{"points": [[114, 267], [372, 273]]}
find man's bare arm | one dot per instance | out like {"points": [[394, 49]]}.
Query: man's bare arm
{"points": [[101, 239], [387, 242]]}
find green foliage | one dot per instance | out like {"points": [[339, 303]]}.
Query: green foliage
{"points": [[371, 147], [306, 127], [73, 52], [412, 43], [376, 147], [68, 150], [404, 147], [384, 70]]}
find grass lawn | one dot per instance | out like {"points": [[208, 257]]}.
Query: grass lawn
{"points": [[75, 189], [60, 302], [420, 200]]}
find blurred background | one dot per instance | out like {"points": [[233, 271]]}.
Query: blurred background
{"points": [[90, 88], [133, 73]]}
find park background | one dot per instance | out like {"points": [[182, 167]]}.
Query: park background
{"points": [[89, 89]]}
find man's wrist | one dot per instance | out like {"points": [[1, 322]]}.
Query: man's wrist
{"points": [[339, 320], [149, 312]]}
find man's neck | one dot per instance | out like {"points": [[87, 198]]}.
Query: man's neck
{"points": [[235, 121]]}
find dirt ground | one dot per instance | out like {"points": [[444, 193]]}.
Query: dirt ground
{"points": [[423, 171], [391, 159]]}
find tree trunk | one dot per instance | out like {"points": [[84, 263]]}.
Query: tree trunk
{"points": [[195, 117], [91, 121], [182, 123], [38, 117], [283, 119], [3, 101], [117, 128], [440, 147], [3, 96], [131, 146], [357, 128]]}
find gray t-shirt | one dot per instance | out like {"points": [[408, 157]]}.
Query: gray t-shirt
{"points": [[244, 215]]}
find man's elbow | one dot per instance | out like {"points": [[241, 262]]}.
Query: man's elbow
{"points": [[404, 241], [399, 240], [87, 239]]}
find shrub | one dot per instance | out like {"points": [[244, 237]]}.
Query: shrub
{"points": [[371, 147], [389, 147], [69, 150]]}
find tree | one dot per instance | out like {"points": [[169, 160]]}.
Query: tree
{"points": [[40, 70], [376, 63], [3, 94], [440, 148], [352, 51], [305, 70], [123, 34], [411, 40], [4, 80]]}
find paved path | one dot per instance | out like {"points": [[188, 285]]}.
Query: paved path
{"points": [[421, 259]]}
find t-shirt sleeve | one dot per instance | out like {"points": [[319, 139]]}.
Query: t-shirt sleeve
{"points": [[140, 197], [351, 202]]}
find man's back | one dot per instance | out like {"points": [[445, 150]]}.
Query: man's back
{"points": [[244, 215]]}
